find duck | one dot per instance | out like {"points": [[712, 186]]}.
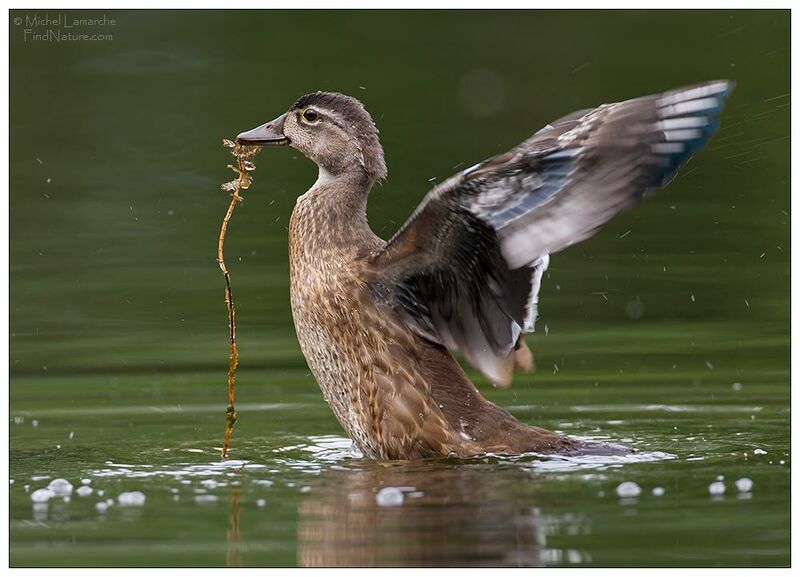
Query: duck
{"points": [[379, 321]]}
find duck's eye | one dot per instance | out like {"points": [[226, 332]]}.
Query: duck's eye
{"points": [[311, 115]]}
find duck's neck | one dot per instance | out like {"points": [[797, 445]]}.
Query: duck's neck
{"points": [[332, 215]]}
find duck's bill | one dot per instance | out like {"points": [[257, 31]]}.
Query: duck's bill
{"points": [[268, 134]]}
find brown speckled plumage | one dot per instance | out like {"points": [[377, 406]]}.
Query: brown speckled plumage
{"points": [[397, 395], [375, 319]]}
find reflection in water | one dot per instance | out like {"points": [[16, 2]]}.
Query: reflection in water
{"points": [[233, 557], [421, 515]]}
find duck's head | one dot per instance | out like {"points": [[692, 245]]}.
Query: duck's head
{"points": [[332, 129]]}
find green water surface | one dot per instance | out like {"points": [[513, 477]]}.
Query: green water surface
{"points": [[667, 331]]}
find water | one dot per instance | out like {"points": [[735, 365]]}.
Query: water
{"points": [[668, 331]]}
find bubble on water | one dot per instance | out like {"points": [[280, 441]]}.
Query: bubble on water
{"points": [[19, 420], [658, 491], [759, 452], [628, 489], [60, 487], [174, 490], [109, 502], [736, 386], [84, 491], [100, 492], [744, 485], [716, 488], [131, 499], [86, 481], [11, 481], [720, 477], [389, 497], [205, 499], [261, 502], [305, 489], [71, 434], [101, 506], [67, 498], [35, 423], [42, 495], [176, 497], [26, 488]]}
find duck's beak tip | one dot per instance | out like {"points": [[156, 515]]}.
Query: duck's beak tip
{"points": [[268, 134]]}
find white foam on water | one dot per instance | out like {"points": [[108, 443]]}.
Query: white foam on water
{"points": [[84, 491], [667, 408], [716, 488], [744, 485], [566, 464]]}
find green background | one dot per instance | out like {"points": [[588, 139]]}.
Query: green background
{"points": [[118, 327]]}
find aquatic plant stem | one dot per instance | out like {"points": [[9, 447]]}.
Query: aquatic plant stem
{"points": [[230, 412]]}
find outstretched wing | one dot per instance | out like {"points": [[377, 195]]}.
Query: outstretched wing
{"points": [[464, 270]]}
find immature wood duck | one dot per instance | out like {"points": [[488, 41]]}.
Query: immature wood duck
{"points": [[377, 320]]}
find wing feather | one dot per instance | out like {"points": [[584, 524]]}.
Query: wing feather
{"points": [[465, 269]]}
